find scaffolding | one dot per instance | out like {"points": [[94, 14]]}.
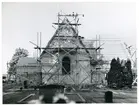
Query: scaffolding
{"points": [[68, 43]]}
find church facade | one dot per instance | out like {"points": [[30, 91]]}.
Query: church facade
{"points": [[67, 59]]}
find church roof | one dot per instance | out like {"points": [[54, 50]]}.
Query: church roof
{"points": [[65, 37], [27, 61]]}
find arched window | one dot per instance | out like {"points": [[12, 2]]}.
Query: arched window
{"points": [[66, 65]]}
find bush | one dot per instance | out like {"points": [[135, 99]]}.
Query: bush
{"points": [[120, 75]]}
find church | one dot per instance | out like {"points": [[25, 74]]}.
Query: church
{"points": [[67, 59]]}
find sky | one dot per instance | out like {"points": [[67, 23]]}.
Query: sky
{"points": [[110, 20]]}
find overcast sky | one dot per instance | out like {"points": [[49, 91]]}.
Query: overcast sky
{"points": [[22, 21]]}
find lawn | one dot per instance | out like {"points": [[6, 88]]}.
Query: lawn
{"points": [[13, 98], [93, 96]]}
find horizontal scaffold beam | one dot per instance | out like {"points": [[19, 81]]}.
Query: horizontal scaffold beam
{"points": [[67, 48], [71, 36], [75, 24]]}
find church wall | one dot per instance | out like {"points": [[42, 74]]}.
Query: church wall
{"points": [[31, 74], [79, 70]]}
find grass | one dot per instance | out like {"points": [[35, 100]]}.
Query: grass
{"points": [[16, 96], [7, 86], [96, 96]]}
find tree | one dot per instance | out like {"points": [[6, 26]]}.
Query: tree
{"points": [[128, 75], [114, 75], [19, 52], [120, 74]]}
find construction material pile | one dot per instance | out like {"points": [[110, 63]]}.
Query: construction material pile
{"points": [[120, 74]]}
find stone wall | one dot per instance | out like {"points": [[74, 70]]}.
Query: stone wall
{"points": [[80, 70], [31, 74]]}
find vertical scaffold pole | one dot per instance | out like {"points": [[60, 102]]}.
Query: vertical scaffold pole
{"points": [[58, 48]]}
